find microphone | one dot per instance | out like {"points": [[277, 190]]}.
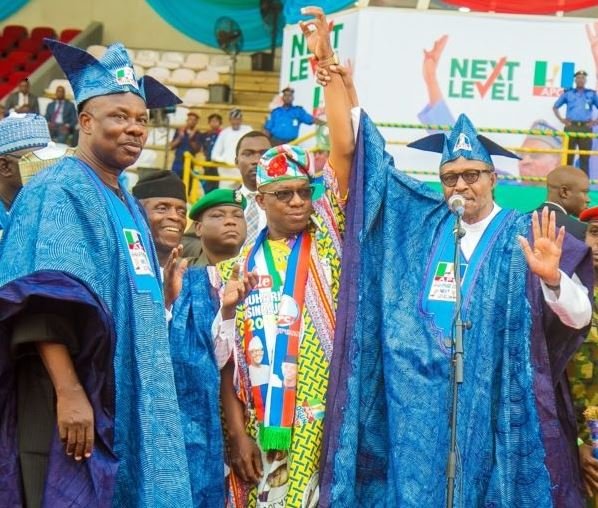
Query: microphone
{"points": [[457, 204]]}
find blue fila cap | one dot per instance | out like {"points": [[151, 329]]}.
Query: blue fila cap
{"points": [[112, 73], [462, 141]]}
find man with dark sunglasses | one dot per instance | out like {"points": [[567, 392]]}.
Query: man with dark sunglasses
{"points": [[280, 296]]}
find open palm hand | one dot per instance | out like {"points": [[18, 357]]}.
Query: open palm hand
{"points": [[544, 256]]}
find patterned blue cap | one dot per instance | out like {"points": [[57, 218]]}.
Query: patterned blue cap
{"points": [[463, 141], [23, 132], [113, 73]]}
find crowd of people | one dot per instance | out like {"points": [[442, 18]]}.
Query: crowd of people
{"points": [[292, 346], [220, 145], [61, 113]]}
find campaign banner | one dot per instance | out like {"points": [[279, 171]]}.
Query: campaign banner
{"points": [[426, 67], [298, 65]]}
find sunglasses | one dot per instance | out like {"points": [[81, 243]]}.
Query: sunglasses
{"points": [[285, 196], [469, 176]]}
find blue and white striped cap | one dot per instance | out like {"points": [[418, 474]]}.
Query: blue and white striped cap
{"points": [[21, 131]]}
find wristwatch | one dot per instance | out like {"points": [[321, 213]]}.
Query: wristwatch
{"points": [[331, 60]]}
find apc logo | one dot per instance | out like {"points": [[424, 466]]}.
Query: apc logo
{"points": [[472, 78], [549, 80]]}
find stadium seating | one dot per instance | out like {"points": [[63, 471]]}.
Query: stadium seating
{"points": [[16, 77], [96, 50], [68, 34], [179, 117], [160, 73], [6, 68], [21, 52], [31, 45], [19, 58], [186, 74], [147, 158], [5, 89], [40, 32], [196, 61], [50, 91], [195, 97], [220, 63], [206, 77], [146, 58], [182, 77], [16, 32], [171, 60], [174, 90], [43, 104]]}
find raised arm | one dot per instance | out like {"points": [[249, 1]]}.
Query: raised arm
{"points": [[338, 106]]}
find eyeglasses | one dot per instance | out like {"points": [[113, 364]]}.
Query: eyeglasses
{"points": [[285, 196], [469, 176]]}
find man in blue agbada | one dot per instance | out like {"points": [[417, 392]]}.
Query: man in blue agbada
{"points": [[89, 409], [387, 422]]}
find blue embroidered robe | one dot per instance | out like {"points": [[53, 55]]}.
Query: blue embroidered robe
{"points": [[62, 246], [387, 421], [198, 386]]}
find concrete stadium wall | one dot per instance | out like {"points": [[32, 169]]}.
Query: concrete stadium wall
{"points": [[132, 22]]}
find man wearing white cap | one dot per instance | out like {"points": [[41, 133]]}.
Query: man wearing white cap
{"points": [[19, 134]]}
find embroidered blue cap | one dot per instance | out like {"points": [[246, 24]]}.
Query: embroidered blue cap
{"points": [[463, 141], [23, 131], [113, 73]]}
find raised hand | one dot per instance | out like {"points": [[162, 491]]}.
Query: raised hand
{"points": [[317, 33], [432, 57], [345, 71], [430, 66], [174, 269], [235, 291], [544, 256]]}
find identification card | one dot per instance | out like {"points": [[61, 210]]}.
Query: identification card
{"points": [[139, 259], [443, 285]]}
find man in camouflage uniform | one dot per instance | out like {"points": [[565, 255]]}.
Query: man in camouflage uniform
{"points": [[583, 369]]}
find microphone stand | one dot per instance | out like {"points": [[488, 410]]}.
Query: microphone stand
{"points": [[457, 363]]}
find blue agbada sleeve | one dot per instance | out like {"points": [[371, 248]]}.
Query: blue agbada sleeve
{"points": [[198, 386], [63, 236], [386, 427], [54, 291]]}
